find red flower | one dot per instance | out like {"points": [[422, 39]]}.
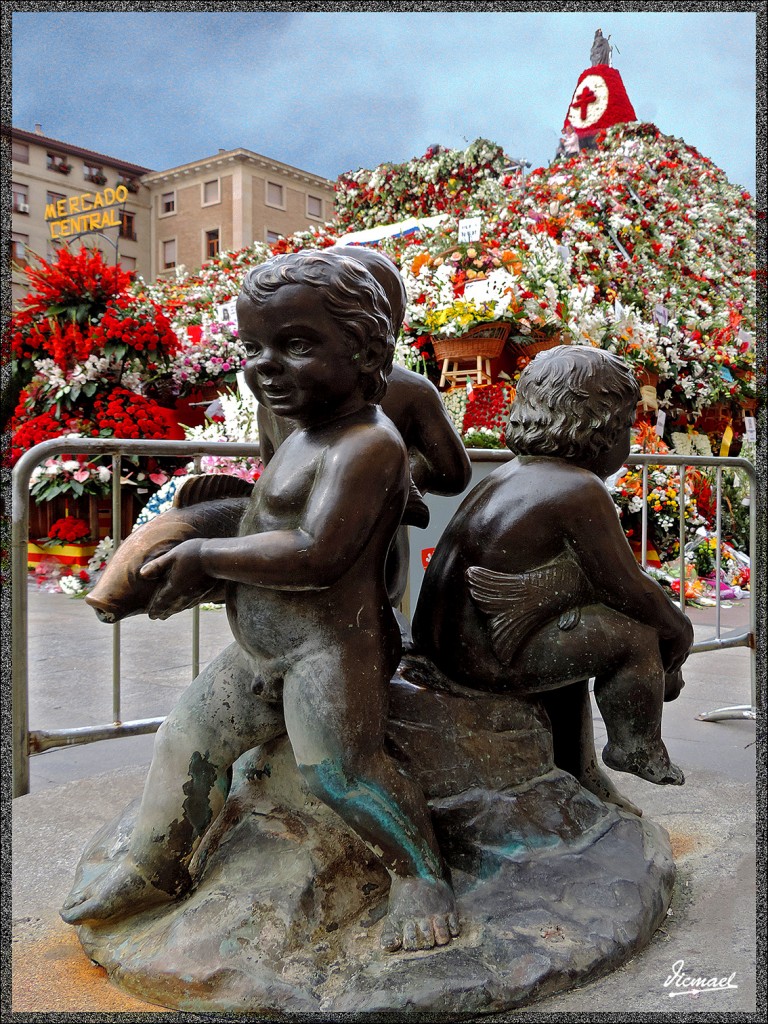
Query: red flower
{"points": [[69, 530]]}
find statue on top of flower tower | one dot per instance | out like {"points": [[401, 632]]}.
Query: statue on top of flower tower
{"points": [[601, 49]]}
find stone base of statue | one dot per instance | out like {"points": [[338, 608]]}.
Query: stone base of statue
{"points": [[554, 887]]}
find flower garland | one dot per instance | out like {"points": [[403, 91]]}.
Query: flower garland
{"points": [[441, 180]]}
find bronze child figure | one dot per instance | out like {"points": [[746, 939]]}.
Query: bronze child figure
{"points": [[534, 587], [316, 640], [438, 459]]}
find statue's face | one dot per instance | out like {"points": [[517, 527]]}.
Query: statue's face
{"points": [[299, 362]]}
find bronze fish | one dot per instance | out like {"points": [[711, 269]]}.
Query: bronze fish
{"points": [[122, 591]]}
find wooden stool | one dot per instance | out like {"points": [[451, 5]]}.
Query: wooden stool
{"points": [[458, 371], [470, 355]]}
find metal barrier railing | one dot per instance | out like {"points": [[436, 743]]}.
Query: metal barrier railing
{"points": [[718, 642], [26, 742]]}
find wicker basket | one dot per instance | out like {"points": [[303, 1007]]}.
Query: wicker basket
{"points": [[538, 343], [484, 340]]}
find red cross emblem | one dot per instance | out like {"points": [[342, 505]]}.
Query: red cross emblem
{"points": [[583, 100]]}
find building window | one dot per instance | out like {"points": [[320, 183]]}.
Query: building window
{"points": [[94, 173], [167, 203], [51, 201], [314, 206], [20, 198], [211, 243], [210, 192], [169, 254], [128, 225], [128, 262], [20, 152], [273, 236], [275, 195], [19, 245], [57, 162]]}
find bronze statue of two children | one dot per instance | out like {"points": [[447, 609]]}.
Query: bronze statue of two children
{"points": [[532, 588]]}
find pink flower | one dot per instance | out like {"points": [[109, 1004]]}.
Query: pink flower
{"points": [[81, 475]]}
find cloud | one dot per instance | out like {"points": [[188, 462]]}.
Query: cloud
{"points": [[331, 91]]}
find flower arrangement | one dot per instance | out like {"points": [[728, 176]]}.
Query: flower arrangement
{"points": [[75, 585], [663, 502], [81, 329], [481, 437], [663, 498], [123, 413], [161, 500], [82, 342], [486, 415], [702, 554], [69, 530], [236, 422], [34, 430], [217, 357], [78, 584], [69, 475]]}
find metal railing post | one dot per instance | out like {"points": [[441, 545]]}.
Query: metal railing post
{"points": [[19, 625], [117, 536]]}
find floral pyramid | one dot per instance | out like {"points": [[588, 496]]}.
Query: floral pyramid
{"points": [[639, 245]]}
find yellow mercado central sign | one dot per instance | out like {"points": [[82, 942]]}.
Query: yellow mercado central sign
{"points": [[90, 211]]}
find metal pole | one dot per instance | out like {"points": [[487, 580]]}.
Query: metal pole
{"points": [[644, 519], [19, 624], [117, 536], [681, 506], [718, 542], [196, 613]]}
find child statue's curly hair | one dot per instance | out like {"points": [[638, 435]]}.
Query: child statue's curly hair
{"points": [[572, 401], [351, 294]]}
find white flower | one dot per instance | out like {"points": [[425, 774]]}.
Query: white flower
{"points": [[71, 585]]}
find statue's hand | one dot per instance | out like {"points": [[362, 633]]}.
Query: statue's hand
{"points": [[182, 580]]}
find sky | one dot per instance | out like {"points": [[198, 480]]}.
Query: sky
{"points": [[330, 92]]}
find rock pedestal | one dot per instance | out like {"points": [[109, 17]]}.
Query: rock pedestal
{"points": [[554, 887]]}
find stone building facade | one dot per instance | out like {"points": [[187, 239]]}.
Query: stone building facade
{"points": [[152, 222], [228, 201], [54, 188]]}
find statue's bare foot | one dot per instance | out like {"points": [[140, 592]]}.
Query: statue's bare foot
{"points": [[123, 891], [596, 781], [421, 915], [652, 765]]}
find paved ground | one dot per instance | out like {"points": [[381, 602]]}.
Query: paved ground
{"points": [[711, 819]]}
